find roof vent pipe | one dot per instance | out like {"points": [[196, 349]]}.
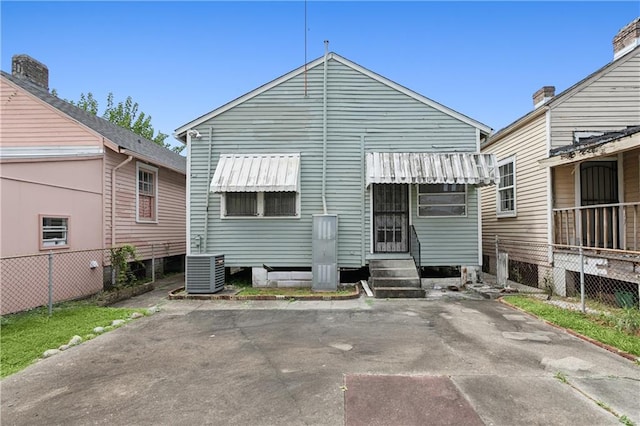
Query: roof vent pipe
{"points": [[324, 128]]}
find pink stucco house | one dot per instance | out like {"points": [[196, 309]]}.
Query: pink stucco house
{"points": [[70, 182]]}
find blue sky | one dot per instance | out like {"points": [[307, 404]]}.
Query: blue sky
{"points": [[180, 60]]}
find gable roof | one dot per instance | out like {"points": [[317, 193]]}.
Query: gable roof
{"points": [[561, 97], [181, 131], [135, 144]]}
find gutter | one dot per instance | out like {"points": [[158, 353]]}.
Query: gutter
{"points": [[324, 128], [113, 198], [151, 160]]}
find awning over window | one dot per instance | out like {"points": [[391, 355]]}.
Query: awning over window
{"points": [[257, 173], [402, 167]]}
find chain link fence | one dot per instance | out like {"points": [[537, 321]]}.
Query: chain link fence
{"points": [[27, 282], [581, 278]]}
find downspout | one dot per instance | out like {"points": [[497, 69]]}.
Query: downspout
{"points": [[189, 135], [113, 198], [203, 248], [363, 196], [324, 128], [549, 178], [188, 193]]}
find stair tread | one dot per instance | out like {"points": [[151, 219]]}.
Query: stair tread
{"points": [[408, 277], [398, 288]]}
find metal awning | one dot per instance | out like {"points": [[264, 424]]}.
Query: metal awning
{"points": [[402, 167], [257, 173]]}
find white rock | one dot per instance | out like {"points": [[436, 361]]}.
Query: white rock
{"points": [[152, 310], [342, 346], [117, 323], [50, 352], [98, 330], [75, 340], [136, 315], [64, 347]]}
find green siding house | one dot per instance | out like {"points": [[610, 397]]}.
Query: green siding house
{"points": [[333, 138]]}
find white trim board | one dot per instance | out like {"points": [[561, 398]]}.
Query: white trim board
{"points": [[47, 151]]}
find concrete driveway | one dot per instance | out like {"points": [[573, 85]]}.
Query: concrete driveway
{"points": [[365, 361]]}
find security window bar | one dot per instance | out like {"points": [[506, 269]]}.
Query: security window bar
{"points": [[260, 204], [279, 203], [55, 231], [241, 203], [436, 200], [506, 198]]}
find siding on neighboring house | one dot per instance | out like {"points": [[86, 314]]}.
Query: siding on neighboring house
{"points": [[29, 122], [171, 226], [53, 164], [69, 188], [564, 186], [529, 145], [65, 186], [30, 188], [564, 196], [631, 165], [610, 102], [363, 115]]}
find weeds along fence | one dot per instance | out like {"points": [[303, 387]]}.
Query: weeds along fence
{"points": [[27, 282], [573, 277]]}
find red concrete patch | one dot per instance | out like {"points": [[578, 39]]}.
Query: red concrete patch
{"points": [[405, 400]]}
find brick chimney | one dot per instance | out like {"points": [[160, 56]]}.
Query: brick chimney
{"points": [[543, 95], [24, 66], [626, 39]]}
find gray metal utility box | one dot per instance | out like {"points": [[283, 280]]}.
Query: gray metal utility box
{"points": [[325, 252]]}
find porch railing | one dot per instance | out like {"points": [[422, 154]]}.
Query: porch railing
{"points": [[610, 226], [414, 246]]}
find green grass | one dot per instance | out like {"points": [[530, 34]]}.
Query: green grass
{"points": [[598, 327], [292, 292], [25, 336]]}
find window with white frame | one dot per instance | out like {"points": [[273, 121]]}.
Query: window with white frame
{"points": [[441, 200], [260, 204], [146, 193], [54, 232], [506, 189]]}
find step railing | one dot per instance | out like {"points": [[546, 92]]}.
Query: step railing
{"points": [[414, 247]]}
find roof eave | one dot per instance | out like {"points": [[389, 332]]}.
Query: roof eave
{"points": [[180, 133], [516, 125], [150, 160], [558, 99]]}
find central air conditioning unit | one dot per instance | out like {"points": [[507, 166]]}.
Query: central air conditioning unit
{"points": [[205, 273]]}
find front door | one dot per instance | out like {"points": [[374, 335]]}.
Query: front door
{"points": [[390, 218], [599, 185]]}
